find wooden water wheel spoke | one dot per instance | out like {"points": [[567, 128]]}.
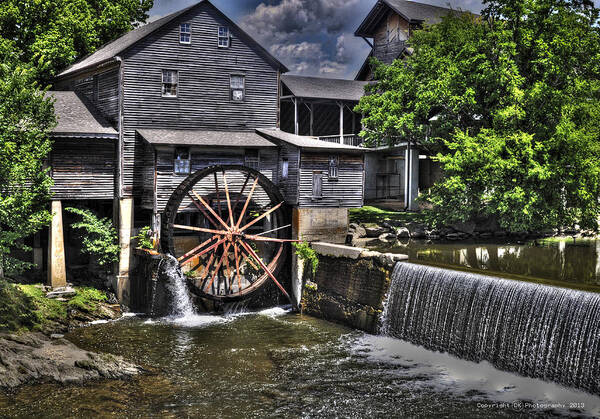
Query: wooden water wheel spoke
{"points": [[230, 217], [230, 249], [202, 210], [257, 219], [209, 208], [196, 249], [246, 203], [266, 269]]}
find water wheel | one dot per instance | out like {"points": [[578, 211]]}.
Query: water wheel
{"points": [[226, 226]]}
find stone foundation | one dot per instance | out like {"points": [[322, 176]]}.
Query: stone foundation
{"points": [[349, 286]]}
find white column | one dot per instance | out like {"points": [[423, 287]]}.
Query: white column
{"points": [[57, 271], [411, 177], [296, 128]]}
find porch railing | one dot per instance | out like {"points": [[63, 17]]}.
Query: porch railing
{"points": [[347, 139]]}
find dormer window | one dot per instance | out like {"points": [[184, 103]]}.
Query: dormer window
{"points": [[185, 33], [223, 37]]}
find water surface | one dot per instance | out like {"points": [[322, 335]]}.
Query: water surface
{"points": [[569, 263], [278, 364]]}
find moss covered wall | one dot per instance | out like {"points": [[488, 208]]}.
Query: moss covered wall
{"points": [[349, 287]]}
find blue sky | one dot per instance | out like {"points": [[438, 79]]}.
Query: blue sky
{"points": [[312, 37]]}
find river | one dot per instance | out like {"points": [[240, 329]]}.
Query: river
{"points": [[278, 364]]}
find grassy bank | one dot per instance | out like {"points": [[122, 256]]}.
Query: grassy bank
{"points": [[25, 307]]}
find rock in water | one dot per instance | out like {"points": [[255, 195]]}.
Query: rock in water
{"points": [[33, 357]]}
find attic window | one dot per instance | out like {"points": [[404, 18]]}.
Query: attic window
{"points": [[185, 33], [223, 37], [170, 79]]}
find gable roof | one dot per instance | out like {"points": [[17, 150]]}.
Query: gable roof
{"points": [[411, 11], [77, 117], [110, 51], [205, 138], [322, 88], [305, 142]]}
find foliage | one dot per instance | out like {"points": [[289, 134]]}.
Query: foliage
{"points": [[308, 255], [51, 34], [16, 308], [87, 299], [143, 239], [100, 239], [26, 118], [510, 103]]}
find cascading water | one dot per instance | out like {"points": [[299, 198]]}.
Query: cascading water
{"points": [[535, 330], [180, 304]]}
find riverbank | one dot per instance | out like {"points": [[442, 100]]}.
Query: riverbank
{"points": [[34, 318]]}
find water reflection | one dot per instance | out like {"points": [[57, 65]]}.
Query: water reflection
{"points": [[572, 263]]}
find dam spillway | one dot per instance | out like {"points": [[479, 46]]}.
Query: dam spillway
{"points": [[535, 330]]}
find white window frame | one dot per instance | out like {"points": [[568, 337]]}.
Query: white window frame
{"points": [[285, 169], [334, 167], [232, 88], [225, 37], [162, 86], [188, 32]]}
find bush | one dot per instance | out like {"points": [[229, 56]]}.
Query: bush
{"points": [[308, 255], [143, 239], [100, 239]]}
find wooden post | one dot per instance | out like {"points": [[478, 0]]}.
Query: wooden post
{"points": [[38, 259], [125, 233], [296, 128], [311, 119], [57, 271], [341, 122]]}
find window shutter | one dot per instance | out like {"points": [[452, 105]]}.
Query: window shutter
{"points": [[317, 184]]}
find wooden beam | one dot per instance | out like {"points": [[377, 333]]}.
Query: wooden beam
{"points": [[341, 105]]}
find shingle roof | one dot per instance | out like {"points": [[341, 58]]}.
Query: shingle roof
{"points": [[322, 88], [76, 115], [409, 10], [204, 138], [112, 49], [306, 142]]}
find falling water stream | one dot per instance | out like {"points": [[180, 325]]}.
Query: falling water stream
{"points": [[535, 330]]}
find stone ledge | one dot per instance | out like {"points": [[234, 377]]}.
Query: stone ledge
{"points": [[337, 250]]}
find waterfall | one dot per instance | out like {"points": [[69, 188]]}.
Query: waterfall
{"points": [[180, 302], [535, 330]]}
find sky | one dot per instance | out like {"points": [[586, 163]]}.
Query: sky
{"points": [[311, 37]]}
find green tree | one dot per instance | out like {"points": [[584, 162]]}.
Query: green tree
{"points": [[516, 96], [26, 118], [52, 34], [100, 237]]}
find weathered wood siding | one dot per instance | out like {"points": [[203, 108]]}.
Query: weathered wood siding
{"points": [[203, 99], [167, 181], [390, 38], [346, 191], [102, 89], [289, 186], [83, 168]]}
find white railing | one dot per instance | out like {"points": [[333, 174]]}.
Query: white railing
{"points": [[347, 139]]}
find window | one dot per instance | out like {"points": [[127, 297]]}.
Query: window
{"points": [[285, 167], [169, 83], [252, 159], [334, 162], [317, 186], [185, 33], [181, 163], [223, 37], [237, 84]]}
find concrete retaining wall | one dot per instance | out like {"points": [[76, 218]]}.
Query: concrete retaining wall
{"points": [[349, 286]]}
